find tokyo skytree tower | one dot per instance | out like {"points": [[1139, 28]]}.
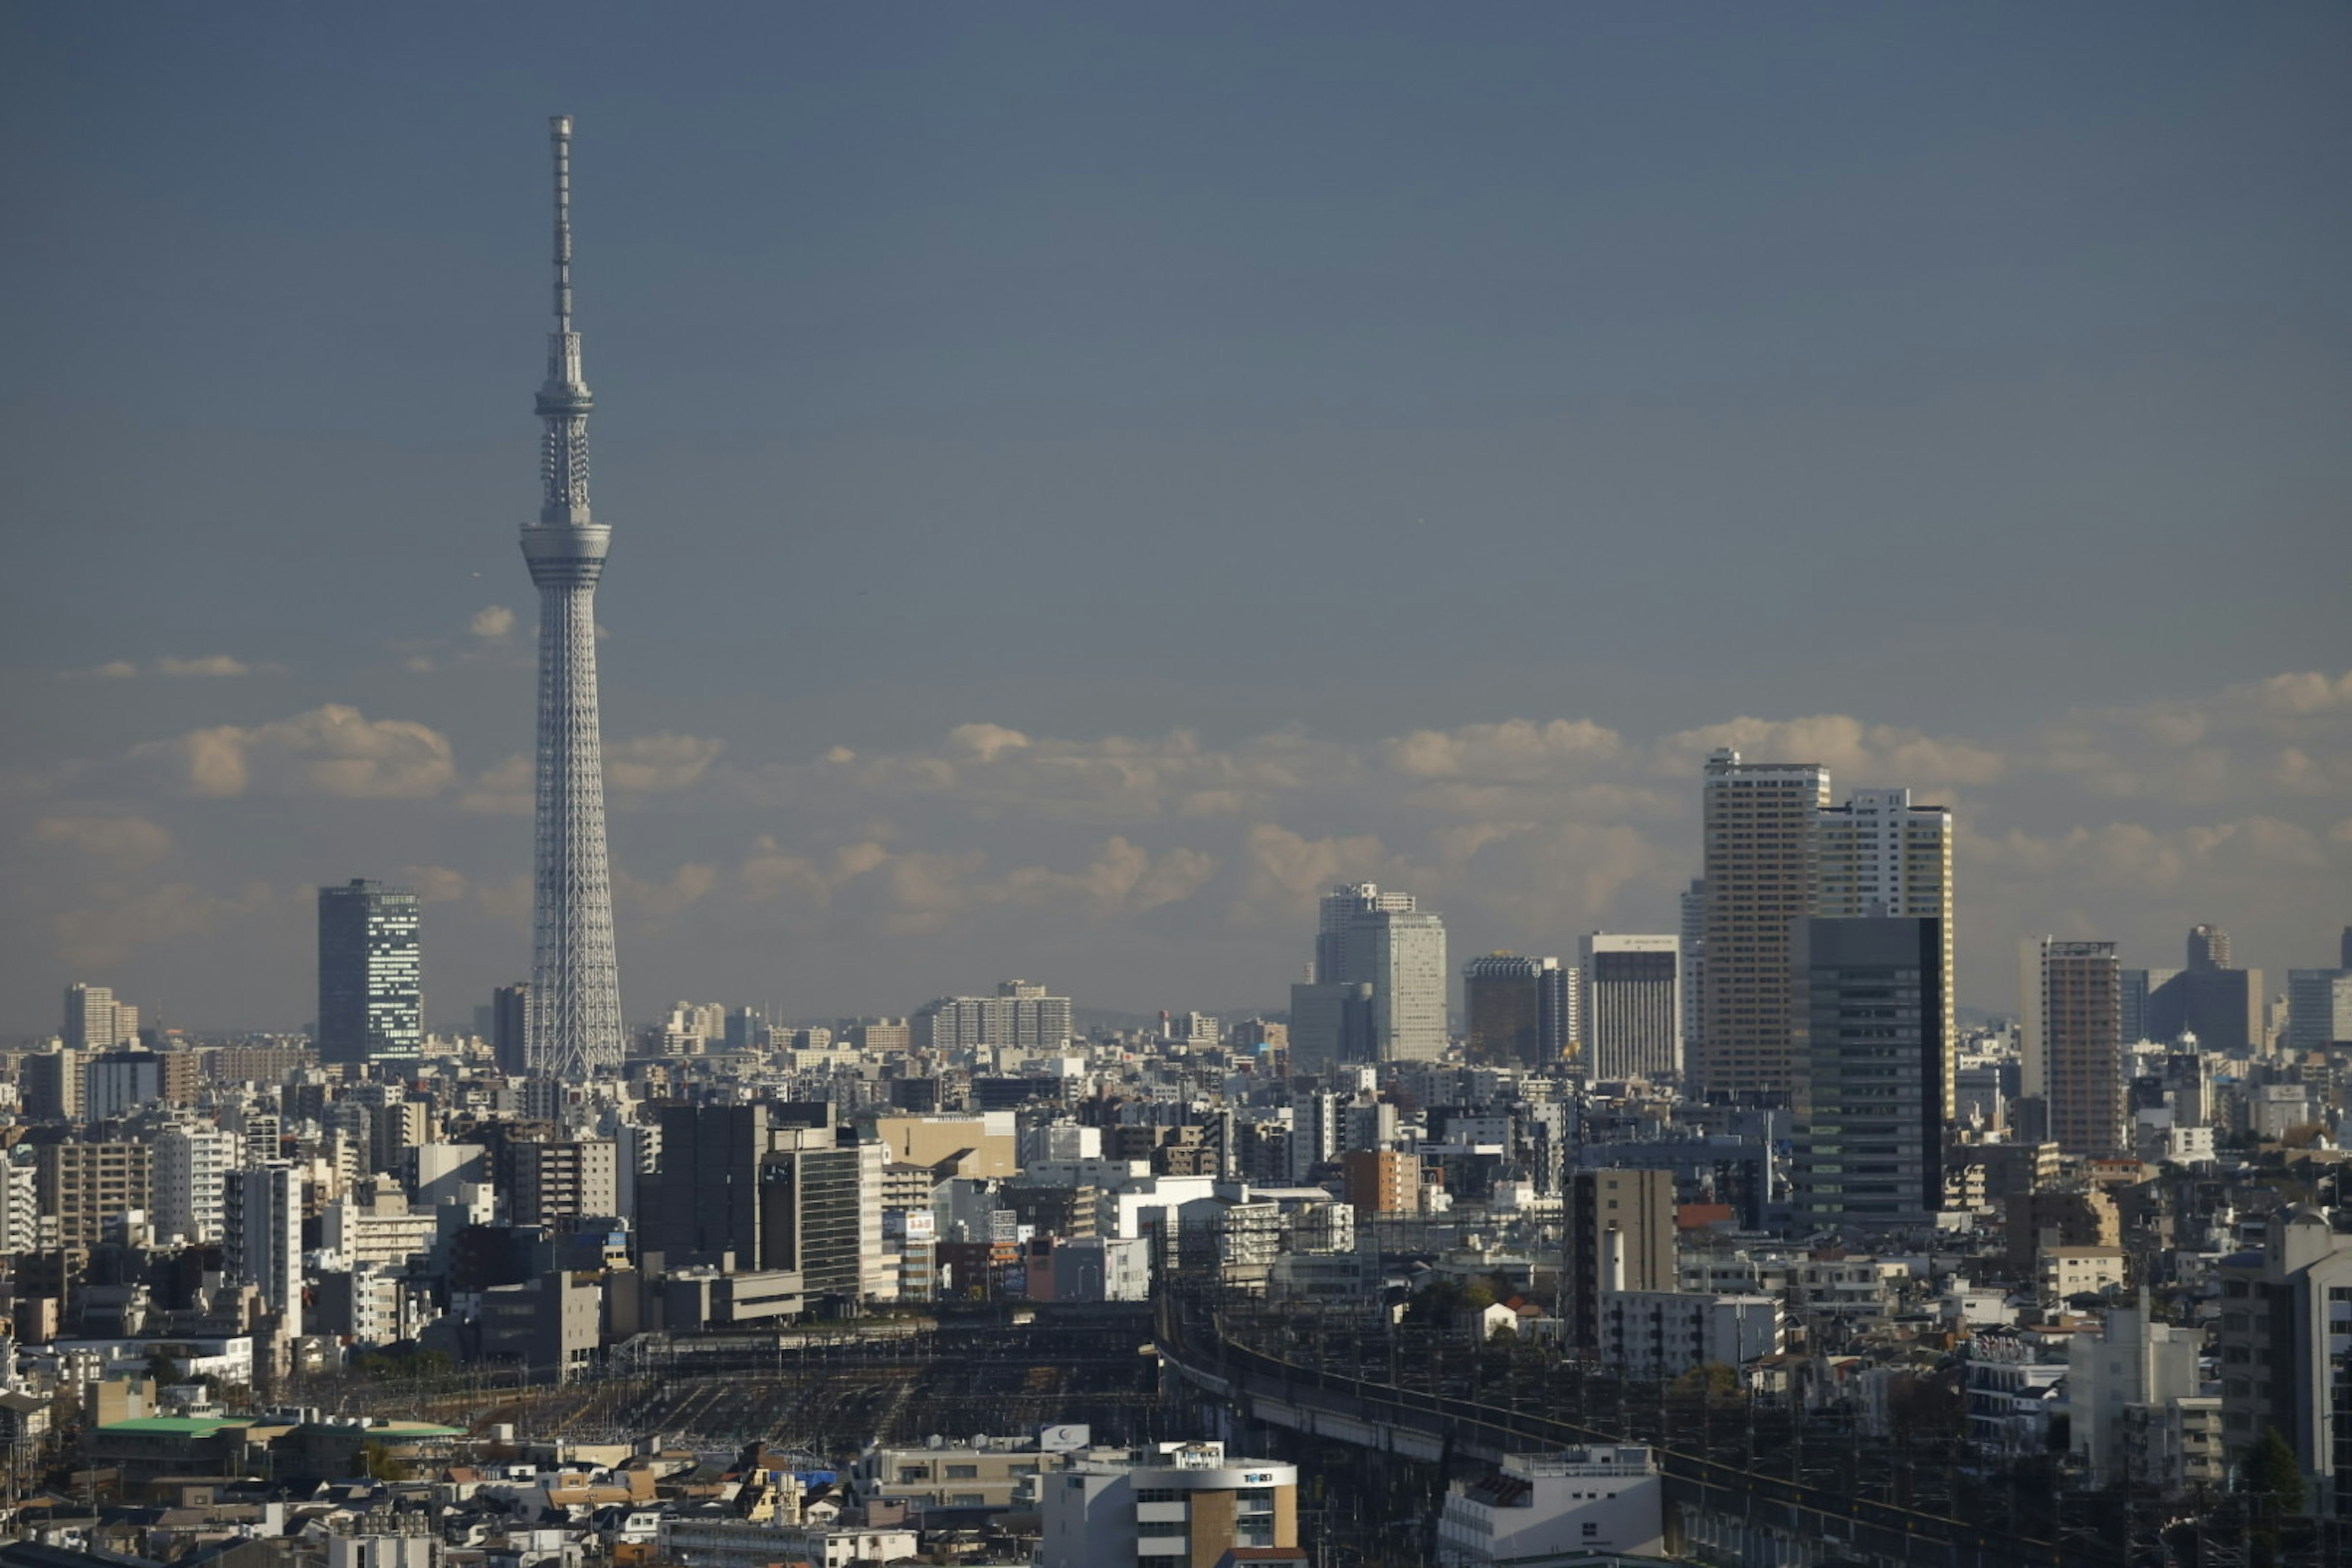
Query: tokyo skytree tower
{"points": [[575, 984]]}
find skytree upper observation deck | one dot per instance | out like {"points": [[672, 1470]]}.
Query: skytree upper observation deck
{"points": [[574, 1024]]}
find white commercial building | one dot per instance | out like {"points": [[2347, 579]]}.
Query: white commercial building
{"points": [[1543, 1507], [1633, 1007], [1173, 1503], [1152, 1200]]}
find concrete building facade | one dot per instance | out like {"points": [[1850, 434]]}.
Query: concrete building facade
{"points": [[1632, 1008]]}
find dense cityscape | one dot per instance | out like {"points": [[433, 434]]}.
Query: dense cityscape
{"points": [[1739, 1232]]}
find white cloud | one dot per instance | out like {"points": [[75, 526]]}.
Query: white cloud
{"points": [[492, 622], [659, 765], [211, 665], [1516, 749], [688, 885], [331, 751], [986, 742], [507, 789], [2307, 692]]}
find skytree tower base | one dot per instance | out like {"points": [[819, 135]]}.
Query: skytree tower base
{"points": [[575, 979]]}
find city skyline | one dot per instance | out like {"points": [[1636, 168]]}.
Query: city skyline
{"points": [[1968, 472]]}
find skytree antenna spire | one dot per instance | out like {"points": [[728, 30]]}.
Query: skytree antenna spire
{"points": [[574, 1020]]}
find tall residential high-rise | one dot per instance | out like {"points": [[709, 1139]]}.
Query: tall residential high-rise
{"points": [[1876, 1054], [262, 1236], [1760, 822], [1692, 966], [2074, 1048], [1559, 1016], [2208, 947], [510, 1028], [1368, 938], [371, 994], [97, 1021], [1620, 1236], [1882, 856], [1633, 1007], [575, 983]]}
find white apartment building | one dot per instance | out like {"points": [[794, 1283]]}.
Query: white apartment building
{"points": [[2070, 1271], [383, 1235], [192, 1169], [1540, 1507], [20, 1207], [877, 1269], [1020, 1017], [2012, 1383], [1664, 1333], [2133, 1362]]}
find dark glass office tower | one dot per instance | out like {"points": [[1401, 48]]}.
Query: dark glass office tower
{"points": [[371, 994]]}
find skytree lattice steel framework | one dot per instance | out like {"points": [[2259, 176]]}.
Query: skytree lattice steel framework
{"points": [[575, 984]]}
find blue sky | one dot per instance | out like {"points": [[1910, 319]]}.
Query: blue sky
{"points": [[1293, 380]]}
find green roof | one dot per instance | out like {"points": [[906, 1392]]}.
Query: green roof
{"points": [[179, 1425]]}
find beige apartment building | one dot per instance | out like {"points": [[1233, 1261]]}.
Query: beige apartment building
{"points": [[86, 1185]]}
